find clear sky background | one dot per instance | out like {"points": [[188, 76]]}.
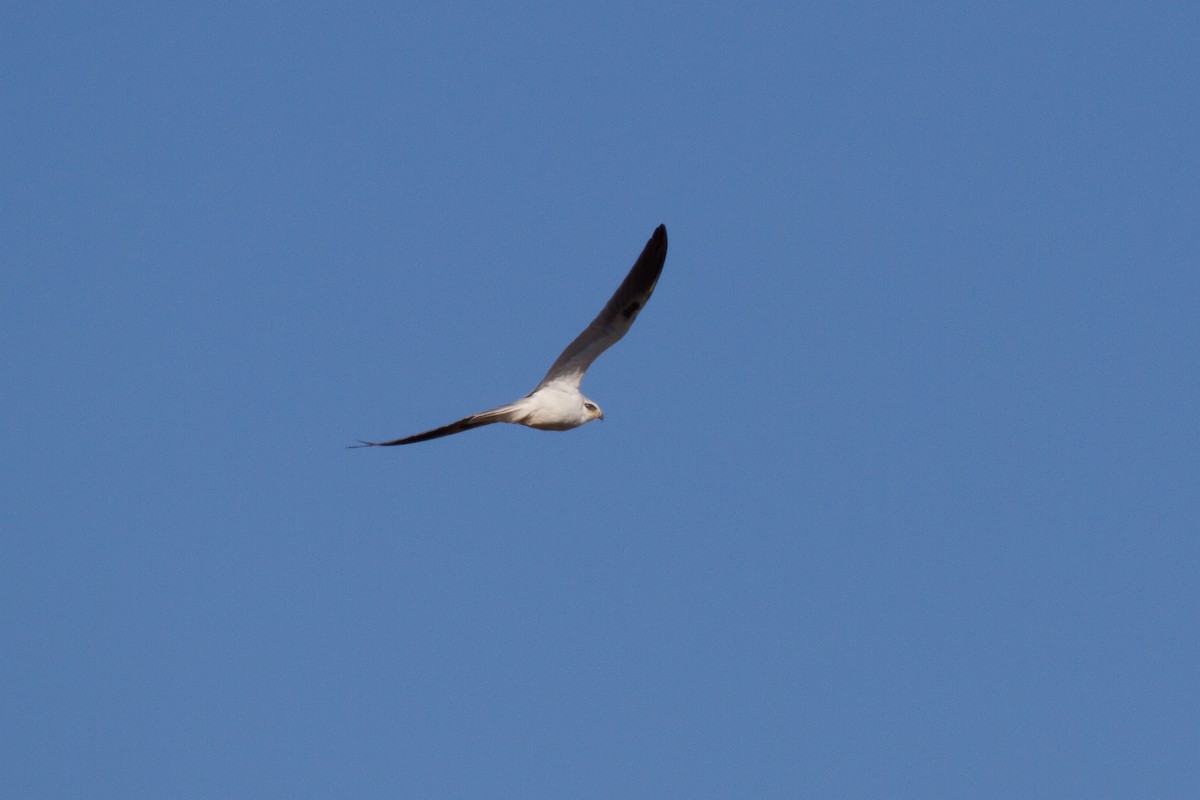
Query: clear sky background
{"points": [[898, 493]]}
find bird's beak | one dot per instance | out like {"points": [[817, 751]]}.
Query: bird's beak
{"points": [[600, 416]]}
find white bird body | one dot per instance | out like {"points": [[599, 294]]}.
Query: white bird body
{"points": [[556, 404]]}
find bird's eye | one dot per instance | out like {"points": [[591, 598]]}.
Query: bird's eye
{"points": [[589, 406]]}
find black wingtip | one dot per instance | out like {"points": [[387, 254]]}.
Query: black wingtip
{"points": [[659, 237]]}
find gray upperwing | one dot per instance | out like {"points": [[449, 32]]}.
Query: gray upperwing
{"points": [[617, 316], [501, 414]]}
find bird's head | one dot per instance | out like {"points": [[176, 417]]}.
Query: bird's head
{"points": [[591, 410]]}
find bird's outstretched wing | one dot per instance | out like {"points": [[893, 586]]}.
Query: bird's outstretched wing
{"points": [[501, 414], [618, 314]]}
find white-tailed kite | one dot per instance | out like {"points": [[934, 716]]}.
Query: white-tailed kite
{"points": [[556, 403]]}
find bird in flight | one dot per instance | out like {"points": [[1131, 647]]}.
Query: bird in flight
{"points": [[556, 404]]}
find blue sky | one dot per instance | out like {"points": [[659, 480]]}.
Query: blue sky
{"points": [[897, 494]]}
